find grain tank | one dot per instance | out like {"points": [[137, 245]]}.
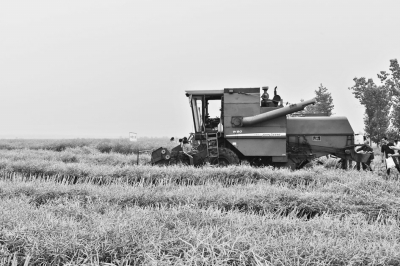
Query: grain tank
{"points": [[233, 125]]}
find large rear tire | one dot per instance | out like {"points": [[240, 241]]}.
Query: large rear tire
{"points": [[226, 157]]}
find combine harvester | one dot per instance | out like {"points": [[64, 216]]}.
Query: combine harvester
{"points": [[260, 133]]}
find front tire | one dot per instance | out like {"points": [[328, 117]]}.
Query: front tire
{"points": [[226, 157]]}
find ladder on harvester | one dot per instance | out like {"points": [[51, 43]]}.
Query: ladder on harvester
{"points": [[212, 145]]}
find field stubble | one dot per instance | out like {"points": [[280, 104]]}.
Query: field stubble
{"points": [[123, 214]]}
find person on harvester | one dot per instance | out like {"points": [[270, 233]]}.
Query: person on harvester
{"points": [[186, 147], [265, 97], [276, 98]]}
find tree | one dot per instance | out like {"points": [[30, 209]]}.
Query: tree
{"points": [[324, 102], [392, 134], [376, 100], [391, 82]]}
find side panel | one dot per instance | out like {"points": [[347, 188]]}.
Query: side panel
{"points": [[263, 139], [260, 147], [255, 132], [321, 141], [334, 125], [277, 125], [242, 95], [242, 98], [325, 135], [268, 139]]}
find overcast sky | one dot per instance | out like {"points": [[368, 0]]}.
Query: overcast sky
{"points": [[105, 68]]}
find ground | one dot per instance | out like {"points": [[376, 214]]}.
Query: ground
{"points": [[82, 206]]}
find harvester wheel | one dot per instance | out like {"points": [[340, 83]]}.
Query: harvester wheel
{"points": [[226, 157]]}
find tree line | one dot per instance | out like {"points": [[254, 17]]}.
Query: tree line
{"points": [[381, 102]]}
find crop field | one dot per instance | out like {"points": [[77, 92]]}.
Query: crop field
{"points": [[87, 202]]}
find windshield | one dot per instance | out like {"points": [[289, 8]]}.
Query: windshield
{"points": [[206, 113], [196, 104]]}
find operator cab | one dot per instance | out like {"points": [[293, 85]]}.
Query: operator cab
{"points": [[207, 110]]}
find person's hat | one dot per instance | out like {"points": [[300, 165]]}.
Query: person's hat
{"points": [[265, 88]]}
